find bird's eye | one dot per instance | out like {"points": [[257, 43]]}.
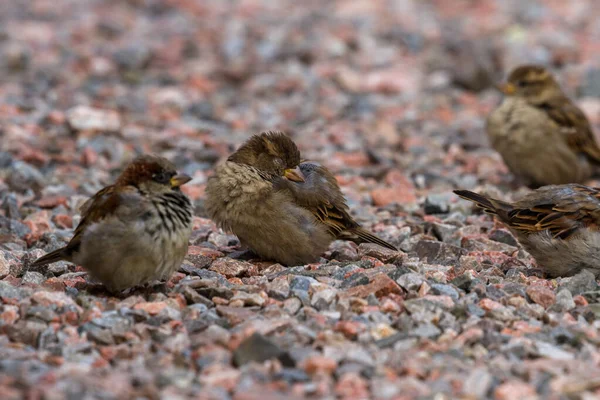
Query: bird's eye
{"points": [[162, 177], [278, 162], [521, 84]]}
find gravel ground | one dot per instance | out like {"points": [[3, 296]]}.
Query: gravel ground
{"points": [[391, 96]]}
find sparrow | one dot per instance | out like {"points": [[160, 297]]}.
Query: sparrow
{"points": [[543, 137], [281, 208], [135, 231], [559, 225]]}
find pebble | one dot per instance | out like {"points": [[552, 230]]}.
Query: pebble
{"points": [[84, 118], [541, 295], [230, 268], [411, 281]]}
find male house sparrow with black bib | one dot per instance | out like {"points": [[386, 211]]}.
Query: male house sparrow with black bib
{"points": [[559, 225], [543, 137], [135, 231], [282, 209]]}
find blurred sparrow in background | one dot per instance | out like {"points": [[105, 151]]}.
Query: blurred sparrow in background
{"points": [[543, 137], [559, 225], [282, 209], [135, 231]]}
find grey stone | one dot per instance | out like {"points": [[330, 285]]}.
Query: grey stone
{"points": [[584, 281], [259, 348], [411, 281], [33, 277], [323, 298], [426, 331], [447, 290], [438, 252], [437, 203], [553, 352]]}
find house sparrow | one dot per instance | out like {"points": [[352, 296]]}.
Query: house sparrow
{"points": [[559, 225], [543, 137], [134, 231], [281, 209]]}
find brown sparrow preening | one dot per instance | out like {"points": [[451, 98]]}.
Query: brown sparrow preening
{"points": [[543, 137], [135, 231], [559, 225], [282, 209]]}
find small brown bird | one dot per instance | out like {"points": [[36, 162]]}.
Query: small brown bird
{"points": [[559, 225], [543, 137], [282, 209], [135, 231]]}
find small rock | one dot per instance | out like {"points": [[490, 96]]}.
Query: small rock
{"points": [[235, 315], [33, 277], [411, 281], [249, 299], [317, 365], [230, 267], [258, 348], [58, 299], [564, 301], [381, 253], [323, 298], [464, 281], [503, 236], [478, 383], [437, 203], [353, 280], [388, 195], [381, 285], [438, 252], [448, 290], [279, 288], [426, 330], [299, 287], [446, 233], [553, 352], [5, 263], [193, 297], [515, 390], [26, 331], [84, 118], [292, 305], [152, 308], [584, 281], [541, 295]]}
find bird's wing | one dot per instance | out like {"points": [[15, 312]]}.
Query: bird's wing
{"points": [[103, 204], [576, 127], [322, 196], [562, 217]]}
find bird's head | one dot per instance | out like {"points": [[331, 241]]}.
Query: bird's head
{"points": [[533, 83], [273, 154], [152, 174]]}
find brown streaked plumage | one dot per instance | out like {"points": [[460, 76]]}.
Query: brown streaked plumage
{"points": [[134, 231], [559, 225], [282, 209], [543, 137]]}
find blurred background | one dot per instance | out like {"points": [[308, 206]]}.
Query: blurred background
{"points": [[386, 93]]}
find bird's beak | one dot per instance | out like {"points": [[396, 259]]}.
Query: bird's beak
{"points": [[180, 179], [506, 88], [294, 174]]}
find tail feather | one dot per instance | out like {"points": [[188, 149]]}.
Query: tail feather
{"points": [[490, 206], [359, 235], [52, 257]]}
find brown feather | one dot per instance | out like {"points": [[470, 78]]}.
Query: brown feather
{"points": [[321, 194], [577, 129]]}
